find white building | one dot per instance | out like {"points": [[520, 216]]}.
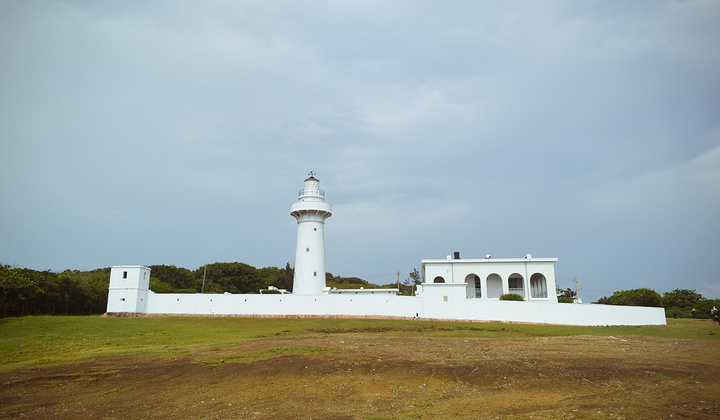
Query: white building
{"points": [[489, 278], [452, 288], [129, 289]]}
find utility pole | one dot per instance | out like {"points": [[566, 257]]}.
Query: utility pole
{"points": [[398, 279], [204, 272], [577, 297]]}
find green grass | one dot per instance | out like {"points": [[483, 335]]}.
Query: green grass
{"points": [[41, 340], [31, 341]]}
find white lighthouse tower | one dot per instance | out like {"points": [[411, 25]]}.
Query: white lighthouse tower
{"points": [[311, 210]]}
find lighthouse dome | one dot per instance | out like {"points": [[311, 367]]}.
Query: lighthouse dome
{"points": [[312, 191], [312, 183]]}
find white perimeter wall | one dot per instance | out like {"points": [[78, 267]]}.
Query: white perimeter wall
{"points": [[451, 307]]}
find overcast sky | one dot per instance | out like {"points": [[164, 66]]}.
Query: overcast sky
{"points": [[179, 132]]}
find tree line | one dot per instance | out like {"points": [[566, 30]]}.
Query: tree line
{"points": [[678, 304], [29, 292]]}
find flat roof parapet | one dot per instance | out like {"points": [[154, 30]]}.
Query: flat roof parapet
{"points": [[489, 260]]}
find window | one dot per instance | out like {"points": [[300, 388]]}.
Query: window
{"points": [[315, 273], [438, 279], [124, 274], [315, 229], [516, 283], [307, 249]]}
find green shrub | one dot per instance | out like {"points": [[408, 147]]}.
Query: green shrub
{"points": [[185, 291], [634, 297], [512, 296], [159, 286], [565, 299], [270, 292], [681, 298], [676, 312]]}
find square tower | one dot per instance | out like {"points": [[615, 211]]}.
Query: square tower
{"points": [[128, 291]]}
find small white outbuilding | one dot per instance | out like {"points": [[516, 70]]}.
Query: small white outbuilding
{"points": [[128, 290]]}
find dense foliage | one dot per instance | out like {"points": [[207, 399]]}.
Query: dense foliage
{"points": [[241, 278], [354, 283], [29, 292], [511, 296], [634, 297], [566, 296], [678, 304]]}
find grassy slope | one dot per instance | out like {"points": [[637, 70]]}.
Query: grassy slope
{"points": [[32, 341]]}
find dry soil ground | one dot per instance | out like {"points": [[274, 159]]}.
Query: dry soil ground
{"points": [[374, 376]]}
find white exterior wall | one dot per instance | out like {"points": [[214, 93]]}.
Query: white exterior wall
{"points": [[456, 271], [444, 301], [128, 289], [441, 306], [444, 291]]}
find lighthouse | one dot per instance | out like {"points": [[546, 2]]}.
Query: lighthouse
{"points": [[310, 210]]}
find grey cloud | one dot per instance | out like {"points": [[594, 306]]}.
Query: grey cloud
{"points": [[583, 131]]}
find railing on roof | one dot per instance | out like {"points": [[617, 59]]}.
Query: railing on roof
{"points": [[311, 191]]}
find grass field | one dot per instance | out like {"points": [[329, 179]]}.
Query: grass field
{"points": [[231, 367], [34, 341]]}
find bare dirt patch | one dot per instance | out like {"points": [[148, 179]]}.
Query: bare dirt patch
{"points": [[348, 376]]}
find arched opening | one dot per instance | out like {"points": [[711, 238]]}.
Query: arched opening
{"points": [[516, 284], [538, 286], [474, 287], [439, 279], [494, 286]]}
